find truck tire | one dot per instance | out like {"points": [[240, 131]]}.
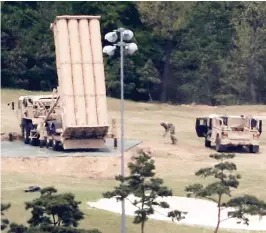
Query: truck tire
{"points": [[26, 134], [56, 146], [34, 142], [115, 143], [207, 143], [42, 143], [22, 131], [254, 149], [219, 147], [49, 143]]}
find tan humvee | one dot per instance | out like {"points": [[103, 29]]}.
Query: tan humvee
{"points": [[225, 131]]}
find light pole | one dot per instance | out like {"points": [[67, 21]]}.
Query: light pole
{"points": [[129, 48]]}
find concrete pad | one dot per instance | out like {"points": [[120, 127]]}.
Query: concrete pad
{"points": [[200, 212], [19, 149]]}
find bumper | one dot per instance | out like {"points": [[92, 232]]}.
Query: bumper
{"points": [[71, 144], [239, 142]]}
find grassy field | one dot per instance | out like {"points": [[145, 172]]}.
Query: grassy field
{"points": [[175, 164]]}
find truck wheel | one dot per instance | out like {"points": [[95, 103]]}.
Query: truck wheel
{"points": [[207, 143], [26, 134], [219, 147], [42, 143], [49, 143], [34, 142], [115, 143], [56, 146], [254, 149], [22, 131]]}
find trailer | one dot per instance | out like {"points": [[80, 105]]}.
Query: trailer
{"points": [[75, 116]]}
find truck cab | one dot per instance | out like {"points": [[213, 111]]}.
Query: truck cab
{"points": [[31, 111]]}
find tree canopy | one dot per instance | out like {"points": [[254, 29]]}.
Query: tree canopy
{"points": [[54, 209], [203, 52], [145, 188]]}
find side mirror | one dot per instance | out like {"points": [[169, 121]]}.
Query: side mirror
{"points": [[12, 105]]}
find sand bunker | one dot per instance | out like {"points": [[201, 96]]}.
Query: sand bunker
{"points": [[199, 212]]}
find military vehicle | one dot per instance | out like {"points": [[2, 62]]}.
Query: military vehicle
{"points": [[75, 115], [224, 131]]}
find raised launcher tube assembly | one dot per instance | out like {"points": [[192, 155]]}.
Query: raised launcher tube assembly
{"points": [[78, 105]]}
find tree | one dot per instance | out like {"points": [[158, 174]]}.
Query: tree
{"points": [[199, 60], [204, 52], [54, 209], [149, 77], [166, 19], [250, 27], [52, 213], [4, 221], [246, 205], [28, 57], [145, 187], [18, 228], [223, 172]]}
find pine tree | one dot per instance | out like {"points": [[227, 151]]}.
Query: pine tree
{"points": [[149, 77], [143, 184], [224, 173], [4, 221], [54, 209], [246, 205]]}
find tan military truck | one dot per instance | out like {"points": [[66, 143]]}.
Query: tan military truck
{"points": [[75, 116], [224, 131], [40, 118], [31, 112]]}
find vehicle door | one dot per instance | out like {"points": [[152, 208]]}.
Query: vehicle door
{"points": [[256, 124], [201, 126]]}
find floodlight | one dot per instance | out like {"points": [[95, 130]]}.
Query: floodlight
{"points": [[127, 34], [131, 48], [111, 37], [109, 50]]}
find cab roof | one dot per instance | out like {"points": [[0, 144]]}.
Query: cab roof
{"points": [[224, 115]]}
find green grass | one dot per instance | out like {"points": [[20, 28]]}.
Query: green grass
{"points": [[85, 190], [175, 164]]}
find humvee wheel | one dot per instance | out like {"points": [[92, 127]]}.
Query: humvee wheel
{"points": [[254, 149], [56, 145], [49, 143], [207, 142], [219, 147], [34, 142], [42, 143], [25, 134]]}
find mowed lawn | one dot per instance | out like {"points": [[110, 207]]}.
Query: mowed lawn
{"points": [[175, 164]]}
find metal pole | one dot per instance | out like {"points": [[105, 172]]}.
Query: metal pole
{"points": [[123, 216]]}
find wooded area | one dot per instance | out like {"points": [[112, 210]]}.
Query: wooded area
{"points": [[203, 52]]}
